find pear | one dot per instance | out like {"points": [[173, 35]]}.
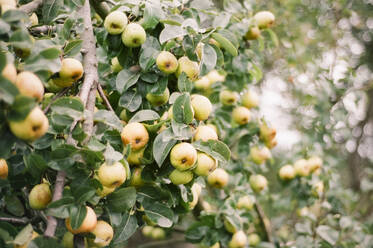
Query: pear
{"points": [[68, 240], [314, 163], [183, 156], [254, 239], [133, 35], [70, 72], [228, 97], [88, 225], [136, 179], [250, 99], [104, 234], [239, 240], [258, 182], [134, 158], [205, 133], [218, 178], [115, 22], [181, 177], [202, 84], [202, 107], [302, 168], [214, 76], [167, 62], [158, 233], [286, 172], [158, 100], [205, 164], [135, 134], [26, 244], [253, 33], [112, 175], [115, 65], [34, 19], [190, 68], [30, 85], [259, 155], [3, 169], [40, 196], [10, 72], [264, 19], [241, 115], [245, 202], [33, 127]]}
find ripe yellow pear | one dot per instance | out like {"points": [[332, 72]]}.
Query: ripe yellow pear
{"points": [[202, 84], [158, 100], [115, 22], [183, 156], [287, 172], [25, 245], [259, 155], [218, 178], [133, 35], [205, 164], [115, 65], [88, 225], [214, 76], [241, 115], [40, 196], [245, 202], [135, 134], [202, 107], [190, 68], [205, 133], [167, 62], [239, 240], [314, 163], [136, 179], [181, 177], [196, 191], [253, 33], [3, 169], [147, 231], [267, 133], [10, 72], [302, 168], [33, 127], [104, 234], [30, 85], [264, 19], [70, 72], [228, 97], [112, 175], [134, 158], [258, 182], [254, 239], [250, 99]]}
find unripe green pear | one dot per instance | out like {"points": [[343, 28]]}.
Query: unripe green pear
{"points": [[254, 239], [40, 196], [158, 100], [264, 19], [136, 179], [314, 163], [134, 158], [88, 225], [202, 84], [183, 156], [181, 177], [239, 240], [228, 97], [241, 115], [104, 234], [70, 72], [167, 62], [259, 155], [34, 126], [105, 191], [205, 164], [258, 182], [34, 19], [133, 35], [202, 107], [112, 175], [302, 168], [253, 33], [30, 85], [52, 86], [158, 233], [68, 240], [245, 202], [124, 116], [214, 76], [115, 22], [3, 169], [190, 68], [10, 72], [250, 99], [115, 65], [229, 226], [147, 231], [218, 178], [287, 172], [205, 133], [135, 134]]}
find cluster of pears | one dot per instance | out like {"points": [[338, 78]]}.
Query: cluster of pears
{"points": [[133, 34], [153, 232], [261, 20], [301, 168]]}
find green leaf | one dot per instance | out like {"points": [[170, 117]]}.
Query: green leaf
{"points": [[14, 205], [130, 100], [42, 242], [162, 145], [77, 215], [183, 83], [69, 106], [124, 231], [112, 156], [145, 115], [328, 234], [215, 148], [273, 37], [60, 208], [182, 109], [51, 9], [126, 79], [171, 32], [181, 130], [21, 39], [73, 47], [108, 118], [147, 58], [35, 165], [160, 86], [221, 20], [8, 91], [209, 59], [14, 15], [21, 108], [196, 232], [159, 213], [152, 13], [66, 31], [24, 235], [122, 200]]}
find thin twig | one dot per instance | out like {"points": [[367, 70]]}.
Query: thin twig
{"points": [[43, 29], [31, 6], [15, 220], [59, 94], [103, 96], [265, 222], [162, 243]]}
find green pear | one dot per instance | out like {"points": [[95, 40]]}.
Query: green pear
{"points": [[158, 100], [158, 233], [254, 239], [183, 156], [202, 107], [68, 240], [30, 85], [264, 19], [70, 72], [115, 65], [52, 86], [181, 177], [115, 22], [133, 35], [218, 178], [202, 84], [190, 68], [40, 196], [136, 179], [253, 33], [134, 158], [258, 182], [167, 62], [214, 76], [33, 127], [259, 155], [147, 231], [105, 190], [112, 175], [205, 164], [228, 97]]}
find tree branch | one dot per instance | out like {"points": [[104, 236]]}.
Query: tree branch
{"points": [[162, 243], [101, 8], [31, 6], [103, 96], [14, 220], [59, 94], [88, 89], [265, 222]]}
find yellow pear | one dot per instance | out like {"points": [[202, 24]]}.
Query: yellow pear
{"points": [[3, 169], [88, 225], [258, 182], [202, 107], [205, 164], [214, 76], [30, 85], [205, 133], [115, 22], [25, 245], [10, 72], [167, 62], [134, 158], [241, 115], [33, 127], [264, 19], [105, 191], [202, 84], [40, 196], [34, 19], [302, 168], [254, 239], [287, 172], [183, 156], [314, 163], [239, 240], [135, 134], [218, 178], [104, 234], [70, 72], [250, 99], [112, 175], [253, 33], [245, 202], [190, 68], [228, 97]]}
